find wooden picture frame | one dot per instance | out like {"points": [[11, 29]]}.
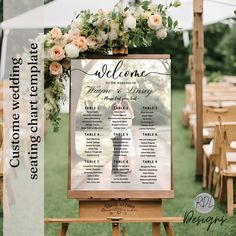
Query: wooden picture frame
{"points": [[116, 194]]}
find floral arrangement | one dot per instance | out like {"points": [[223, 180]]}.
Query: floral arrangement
{"points": [[99, 33]]}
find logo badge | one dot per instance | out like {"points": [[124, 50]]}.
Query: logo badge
{"points": [[204, 203]]}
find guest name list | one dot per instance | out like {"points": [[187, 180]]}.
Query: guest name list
{"points": [[122, 133]]}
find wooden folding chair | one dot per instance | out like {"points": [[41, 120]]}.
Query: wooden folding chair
{"points": [[228, 166], [211, 155], [210, 119], [189, 103]]}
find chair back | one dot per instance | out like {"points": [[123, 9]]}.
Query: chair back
{"points": [[229, 136], [211, 115]]}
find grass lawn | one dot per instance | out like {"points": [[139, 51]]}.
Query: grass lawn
{"points": [[57, 205]]}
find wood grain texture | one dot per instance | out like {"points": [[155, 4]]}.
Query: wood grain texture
{"points": [[156, 229], [132, 195], [168, 229], [120, 209], [115, 229], [198, 70], [230, 196], [64, 228]]}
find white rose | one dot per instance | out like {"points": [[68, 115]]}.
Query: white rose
{"points": [[47, 36], [155, 21], [71, 50], [77, 24], [130, 22], [63, 41], [47, 109], [146, 14], [49, 43], [115, 26], [73, 34], [100, 23], [102, 36], [113, 35], [161, 33], [46, 52], [153, 7]]}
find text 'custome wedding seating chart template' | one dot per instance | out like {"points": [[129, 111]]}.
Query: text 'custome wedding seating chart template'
{"points": [[120, 131]]}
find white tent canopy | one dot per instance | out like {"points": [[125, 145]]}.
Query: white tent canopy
{"points": [[61, 12]]}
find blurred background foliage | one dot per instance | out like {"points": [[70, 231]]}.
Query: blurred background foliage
{"points": [[220, 51]]}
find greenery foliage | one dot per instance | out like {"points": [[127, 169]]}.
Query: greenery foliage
{"points": [[228, 49], [99, 33], [174, 46]]}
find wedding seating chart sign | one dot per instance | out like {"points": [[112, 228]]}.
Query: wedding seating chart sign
{"points": [[120, 127]]}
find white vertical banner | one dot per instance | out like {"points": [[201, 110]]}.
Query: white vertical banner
{"points": [[23, 122]]}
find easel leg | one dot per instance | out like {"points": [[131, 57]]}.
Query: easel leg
{"points": [[115, 229], [168, 229], [156, 229], [123, 230], [64, 228]]}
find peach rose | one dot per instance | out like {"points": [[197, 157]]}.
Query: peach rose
{"points": [[56, 53], [155, 21], [91, 41], [55, 68], [56, 33], [73, 34], [81, 43]]}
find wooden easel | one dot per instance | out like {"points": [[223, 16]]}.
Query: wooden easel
{"points": [[115, 206], [118, 212]]}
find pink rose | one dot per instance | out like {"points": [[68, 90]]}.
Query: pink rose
{"points": [[81, 43], [56, 53], [55, 68], [91, 41], [155, 21], [56, 33]]}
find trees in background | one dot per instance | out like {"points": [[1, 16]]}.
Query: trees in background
{"points": [[228, 49], [220, 51]]}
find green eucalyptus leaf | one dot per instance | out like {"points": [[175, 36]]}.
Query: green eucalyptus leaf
{"points": [[170, 22], [175, 23]]}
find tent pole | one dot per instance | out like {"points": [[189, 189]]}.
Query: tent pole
{"points": [[198, 73]]}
